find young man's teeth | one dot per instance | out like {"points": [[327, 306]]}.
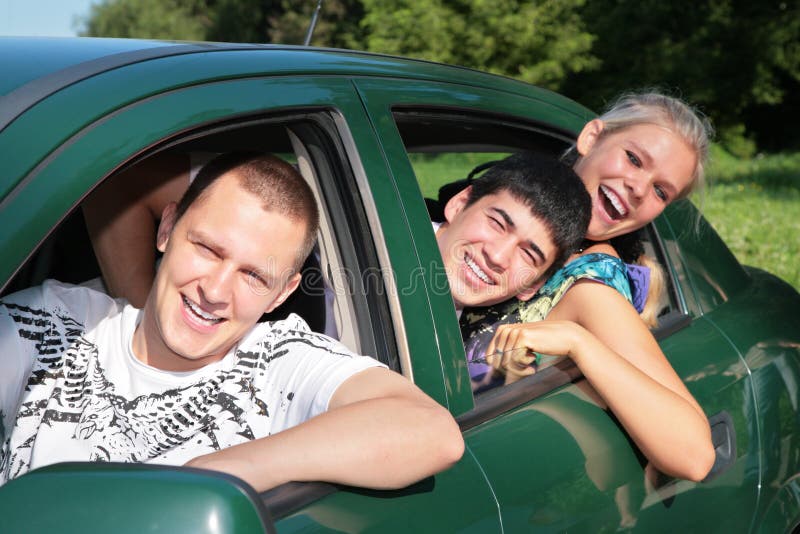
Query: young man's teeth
{"points": [[477, 270], [200, 313], [614, 199]]}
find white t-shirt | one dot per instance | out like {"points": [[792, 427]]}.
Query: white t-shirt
{"points": [[72, 390]]}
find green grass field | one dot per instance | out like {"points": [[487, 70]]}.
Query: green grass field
{"points": [[753, 204]]}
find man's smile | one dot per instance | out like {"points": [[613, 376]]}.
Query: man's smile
{"points": [[198, 313], [480, 273]]}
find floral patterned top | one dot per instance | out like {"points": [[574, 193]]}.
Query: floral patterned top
{"points": [[478, 325]]}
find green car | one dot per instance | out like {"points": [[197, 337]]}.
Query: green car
{"points": [[376, 136]]}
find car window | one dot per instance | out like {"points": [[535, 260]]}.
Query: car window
{"points": [[332, 296], [444, 147]]}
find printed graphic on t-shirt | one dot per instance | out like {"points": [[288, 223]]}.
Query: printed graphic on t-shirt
{"points": [[69, 399]]}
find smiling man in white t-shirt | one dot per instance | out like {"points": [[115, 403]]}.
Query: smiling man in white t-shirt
{"points": [[192, 378]]}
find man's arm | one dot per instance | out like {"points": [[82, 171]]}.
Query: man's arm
{"points": [[380, 431]]}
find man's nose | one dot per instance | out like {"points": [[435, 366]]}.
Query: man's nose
{"points": [[498, 253], [216, 286]]}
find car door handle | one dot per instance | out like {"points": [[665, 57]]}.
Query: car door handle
{"points": [[723, 436]]}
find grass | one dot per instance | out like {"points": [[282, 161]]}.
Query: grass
{"points": [[755, 206], [435, 170]]}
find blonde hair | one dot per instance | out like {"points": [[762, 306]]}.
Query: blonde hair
{"points": [[656, 291], [653, 107]]}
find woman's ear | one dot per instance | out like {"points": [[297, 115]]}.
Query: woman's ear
{"points": [[589, 136], [165, 226], [456, 204]]}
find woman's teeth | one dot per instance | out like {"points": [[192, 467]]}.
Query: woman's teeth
{"points": [[614, 203], [200, 313], [478, 271]]}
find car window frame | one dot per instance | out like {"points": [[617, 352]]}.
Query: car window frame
{"points": [[324, 132]]}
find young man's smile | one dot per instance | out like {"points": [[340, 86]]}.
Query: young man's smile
{"points": [[195, 315], [493, 249]]}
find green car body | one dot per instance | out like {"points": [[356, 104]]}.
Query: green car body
{"points": [[541, 455]]}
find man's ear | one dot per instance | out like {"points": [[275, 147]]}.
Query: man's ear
{"points": [[589, 136], [165, 226], [288, 289], [456, 204], [527, 294]]}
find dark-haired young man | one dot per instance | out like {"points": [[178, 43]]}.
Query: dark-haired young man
{"points": [[504, 235], [192, 378], [511, 228]]}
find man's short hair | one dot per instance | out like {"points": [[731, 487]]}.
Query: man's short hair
{"points": [[276, 183], [552, 191]]}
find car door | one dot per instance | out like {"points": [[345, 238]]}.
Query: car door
{"points": [[756, 313], [556, 460], [118, 118]]}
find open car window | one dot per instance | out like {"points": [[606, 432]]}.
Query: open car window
{"points": [[332, 297], [444, 147]]}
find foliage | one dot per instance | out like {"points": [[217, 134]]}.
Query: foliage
{"points": [[147, 19], [730, 57], [338, 23], [246, 21], [537, 42]]}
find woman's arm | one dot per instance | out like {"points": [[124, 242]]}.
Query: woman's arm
{"points": [[596, 327], [122, 215]]}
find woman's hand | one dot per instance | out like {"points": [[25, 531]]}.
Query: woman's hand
{"points": [[519, 342]]}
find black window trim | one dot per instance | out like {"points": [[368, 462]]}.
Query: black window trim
{"points": [[345, 207]]}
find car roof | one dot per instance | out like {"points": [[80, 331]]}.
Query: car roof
{"points": [[25, 59], [36, 67]]}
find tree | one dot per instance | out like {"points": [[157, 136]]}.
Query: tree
{"points": [[535, 41], [338, 24], [727, 56], [246, 21], [147, 19]]}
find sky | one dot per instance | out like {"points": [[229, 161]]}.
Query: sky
{"points": [[53, 18]]}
